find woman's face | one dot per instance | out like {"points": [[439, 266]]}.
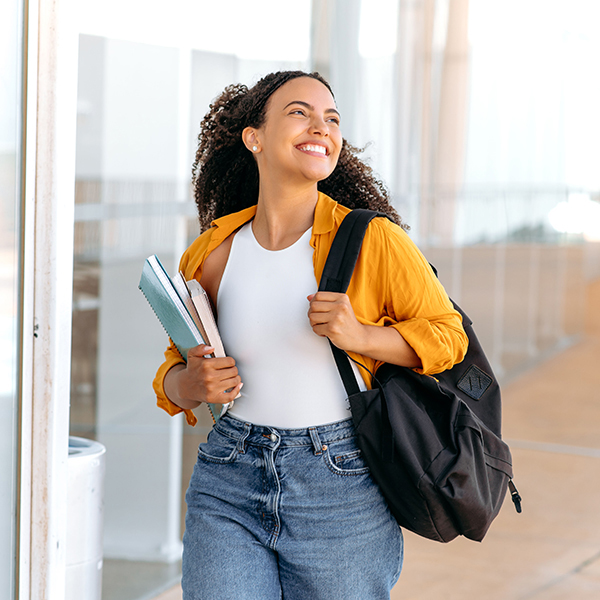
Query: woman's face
{"points": [[300, 138]]}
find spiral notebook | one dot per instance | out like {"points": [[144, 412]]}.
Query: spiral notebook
{"points": [[177, 312]]}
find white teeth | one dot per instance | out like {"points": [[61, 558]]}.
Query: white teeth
{"points": [[311, 148]]}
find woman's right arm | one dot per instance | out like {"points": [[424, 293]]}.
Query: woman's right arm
{"points": [[212, 380]]}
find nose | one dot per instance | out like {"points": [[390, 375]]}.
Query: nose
{"points": [[319, 126]]}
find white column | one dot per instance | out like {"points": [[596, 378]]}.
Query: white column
{"points": [[48, 263], [320, 45], [408, 90], [452, 123], [345, 74]]}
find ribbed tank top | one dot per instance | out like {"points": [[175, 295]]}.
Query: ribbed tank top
{"points": [[290, 378]]}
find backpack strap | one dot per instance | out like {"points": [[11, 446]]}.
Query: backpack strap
{"points": [[337, 274]]}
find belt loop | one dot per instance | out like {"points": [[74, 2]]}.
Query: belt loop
{"points": [[317, 445], [241, 446]]}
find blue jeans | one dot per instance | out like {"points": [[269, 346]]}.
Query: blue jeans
{"points": [[288, 513]]}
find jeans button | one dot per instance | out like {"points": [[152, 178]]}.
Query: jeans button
{"points": [[273, 437]]}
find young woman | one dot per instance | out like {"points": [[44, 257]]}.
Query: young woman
{"points": [[281, 503]]}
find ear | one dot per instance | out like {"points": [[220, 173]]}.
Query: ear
{"points": [[250, 139]]}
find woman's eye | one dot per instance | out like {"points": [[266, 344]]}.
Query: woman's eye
{"points": [[297, 111], [334, 120]]}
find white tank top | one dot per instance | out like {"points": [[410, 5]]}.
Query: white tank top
{"points": [[290, 378]]}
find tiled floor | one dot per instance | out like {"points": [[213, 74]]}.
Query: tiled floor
{"points": [[552, 550], [125, 579]]}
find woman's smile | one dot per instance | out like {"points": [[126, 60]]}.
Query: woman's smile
{"points": [[313, 149]]}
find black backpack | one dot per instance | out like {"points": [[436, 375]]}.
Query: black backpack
{"points": [[433, 444]]}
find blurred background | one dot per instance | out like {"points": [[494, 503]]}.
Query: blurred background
{"points": [[482, 118]]}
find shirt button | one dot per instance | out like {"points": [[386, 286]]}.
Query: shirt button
{"points": [[273, 437]]}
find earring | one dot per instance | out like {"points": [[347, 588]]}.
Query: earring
{"points": [[254, 148]]}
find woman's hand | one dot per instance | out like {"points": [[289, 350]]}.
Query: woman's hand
{"points": [[331, 315], [212, 380]]}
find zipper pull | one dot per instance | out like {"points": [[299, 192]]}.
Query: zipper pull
{"points": [[516, 498]]}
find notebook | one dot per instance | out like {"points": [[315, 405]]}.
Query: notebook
{"points": [[176, 310]]}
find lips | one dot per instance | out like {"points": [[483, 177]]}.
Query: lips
{"points": [[313, 148]]}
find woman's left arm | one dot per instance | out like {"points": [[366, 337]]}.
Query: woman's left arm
{"points": [[331, 315], [400, 313]]}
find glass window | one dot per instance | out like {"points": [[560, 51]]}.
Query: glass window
{"points": [[10, 201]]}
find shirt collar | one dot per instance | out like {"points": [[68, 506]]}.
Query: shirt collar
{"points": [[225, 226], [323, 222], [324, 214]]}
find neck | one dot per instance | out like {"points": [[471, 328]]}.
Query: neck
{"points": [[283, 215]]}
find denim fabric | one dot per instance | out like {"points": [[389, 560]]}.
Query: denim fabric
{"points": [[286, 513]]}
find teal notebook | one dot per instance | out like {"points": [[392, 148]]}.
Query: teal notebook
{"points": [[172, 313]]}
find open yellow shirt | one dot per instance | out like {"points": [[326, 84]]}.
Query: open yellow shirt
{"points": [[392, 285]]}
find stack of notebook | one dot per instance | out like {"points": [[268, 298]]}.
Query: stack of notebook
{"points": [[184, 310]]}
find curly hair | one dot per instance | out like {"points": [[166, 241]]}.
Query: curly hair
{"points": [[225, 175]]}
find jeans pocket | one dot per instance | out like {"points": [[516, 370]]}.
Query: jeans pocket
{"points": [[218, 448], [344, 458]]}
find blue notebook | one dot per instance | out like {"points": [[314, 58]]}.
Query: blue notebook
{"points": [[172, 313]]}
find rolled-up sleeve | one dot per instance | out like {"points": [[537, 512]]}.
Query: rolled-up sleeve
{"points": [[439, 345], [417, 305], [172, 358]]}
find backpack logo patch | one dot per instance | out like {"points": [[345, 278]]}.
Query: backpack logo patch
{"points": [[474, 382]]}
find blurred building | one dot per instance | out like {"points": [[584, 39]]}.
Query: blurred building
{"points": [[483, 126]]}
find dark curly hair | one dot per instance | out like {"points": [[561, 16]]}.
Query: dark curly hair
{"points": [[225, 174]]}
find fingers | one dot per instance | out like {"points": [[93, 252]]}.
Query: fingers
{"points": [[225, 396], [222, 392], [331, 315], [214, 377], [217, 376], [325, 296], [213, 380], [200, 351], [328, 301], [231, 394], [331, 308]]}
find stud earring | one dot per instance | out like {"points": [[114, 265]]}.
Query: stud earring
{"points": [[254, 148]]}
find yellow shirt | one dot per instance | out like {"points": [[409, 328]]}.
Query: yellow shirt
{"points": [[392, 285]]}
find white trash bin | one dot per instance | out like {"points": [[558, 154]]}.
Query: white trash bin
{"points": [[85, 510]]}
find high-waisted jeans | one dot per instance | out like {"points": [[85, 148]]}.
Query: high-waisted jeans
{"points": [[287, 513]]}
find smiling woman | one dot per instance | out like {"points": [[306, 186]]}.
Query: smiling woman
{"points": [[280, 480]]}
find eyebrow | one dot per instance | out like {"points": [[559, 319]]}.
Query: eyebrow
{"points": [[310, 107]]}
